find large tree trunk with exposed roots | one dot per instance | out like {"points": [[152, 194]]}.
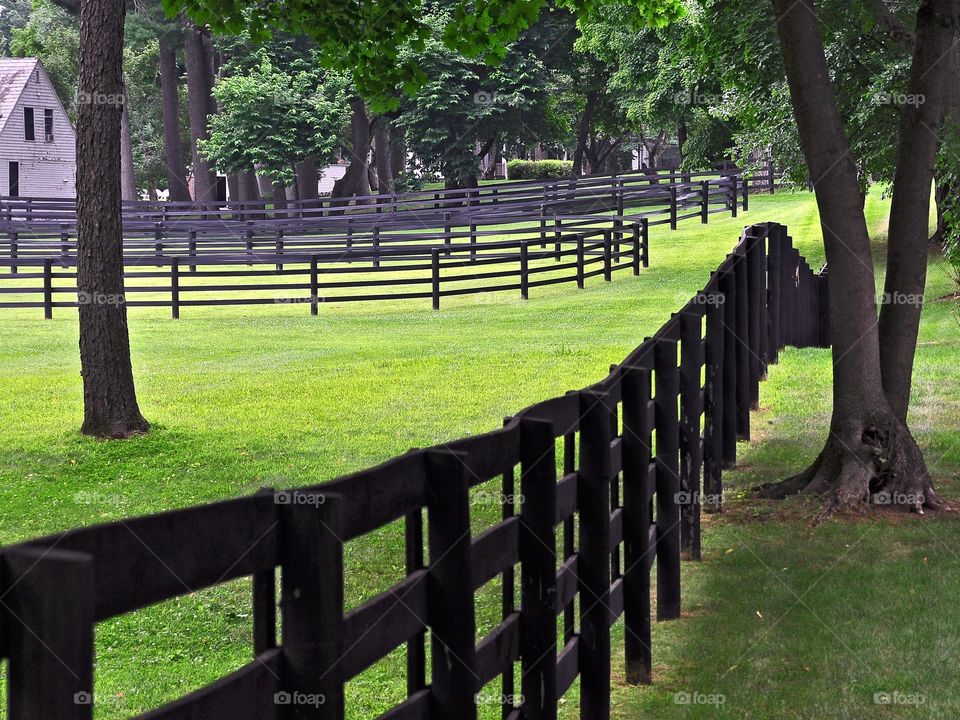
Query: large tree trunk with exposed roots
{"points": [[200, 106], [870, 454], [109, 400]]}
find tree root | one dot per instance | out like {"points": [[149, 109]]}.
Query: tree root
{"points": [[875, 463]]}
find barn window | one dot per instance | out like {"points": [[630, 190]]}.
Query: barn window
{"points": [[28, 129], [48, 125]]}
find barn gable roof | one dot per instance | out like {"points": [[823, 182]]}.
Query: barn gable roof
{"points": [[14, 76]]}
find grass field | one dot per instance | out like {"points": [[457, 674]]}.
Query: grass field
{"points": [[780, 620]]}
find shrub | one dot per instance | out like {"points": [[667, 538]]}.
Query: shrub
{"points": [[538, 169]]}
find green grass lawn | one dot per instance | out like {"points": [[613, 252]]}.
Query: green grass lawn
{"points": [[782, 620]]}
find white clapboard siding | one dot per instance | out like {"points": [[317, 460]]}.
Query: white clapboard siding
{"points": [[47, 169]]}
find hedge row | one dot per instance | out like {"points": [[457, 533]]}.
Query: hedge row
{"points": [[539, 169]]}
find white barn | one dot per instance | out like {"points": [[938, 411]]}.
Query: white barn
{"points": [[37, 140]]}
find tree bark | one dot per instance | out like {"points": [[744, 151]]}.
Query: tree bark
{"points": [[909, 231], [307, 179], [110, 406], [869, 450], [128, 181], [199, 92], [356, 181], [172, 145], [381, 155], [398, 152], [583, 132], [279, 195]]}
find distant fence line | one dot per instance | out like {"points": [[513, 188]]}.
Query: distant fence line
{"points": [[624, 500], [578, 195], [411, 254]]}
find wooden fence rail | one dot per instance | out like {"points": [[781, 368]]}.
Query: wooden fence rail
{"points": [[623, 500], [196, 261]]}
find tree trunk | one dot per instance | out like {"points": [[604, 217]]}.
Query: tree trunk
{"points": [[870, 451], [109, 399], [199, 89], [381, 155], [681, 137], [307, 179], [398, 152], [279, 195], [128, 181], [583, 132], [909, 230], [355, 181], [172, 145]]}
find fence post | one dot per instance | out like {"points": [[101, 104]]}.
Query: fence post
{"points": [[557, 238], [447, 231], [450, 600], [713, 405], [64, 245], [770, 176], [50, 646], [435, 275], [158, 241], [538, 563], [774, 278], [47, 289], [637, 459], [524, 270], [691, 407], [593, 566], [14, 237], [673, 207], [746, 194], [249, 242], [645, 239], [744, 346], [757, 289], [543, 220], [278, 247], [667, 424], [314, 290], [416, 646], [580, 260], [607, 270], [192, 249], [473, 242], [175, 287], [704, 202], [636, 248], [376, 246], [311, 553], [733, 195], [731, 348]]}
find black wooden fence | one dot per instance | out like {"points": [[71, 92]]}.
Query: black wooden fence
{"points": [[641, 453], [192, 261]]}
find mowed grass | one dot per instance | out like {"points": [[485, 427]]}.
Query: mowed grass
{"points": [[269, 396]]}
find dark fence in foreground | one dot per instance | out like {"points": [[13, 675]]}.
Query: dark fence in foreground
{"points": [[641, 452]]}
